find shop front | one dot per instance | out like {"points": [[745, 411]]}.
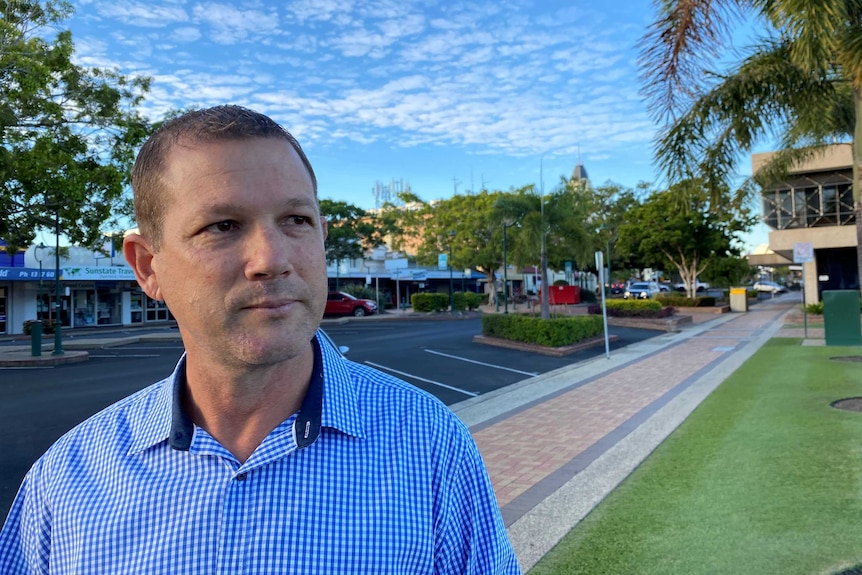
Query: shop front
{"points": [[103, 296]]}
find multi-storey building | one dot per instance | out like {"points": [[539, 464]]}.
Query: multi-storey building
{"points": [[814, 205]]}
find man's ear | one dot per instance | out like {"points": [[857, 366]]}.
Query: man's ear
{"points": [[324, 226], [139, 254]]}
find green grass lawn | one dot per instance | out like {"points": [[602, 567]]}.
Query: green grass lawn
{"points": [[764, 477]]}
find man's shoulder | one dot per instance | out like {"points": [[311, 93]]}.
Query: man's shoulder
{"points": [[118, 422]]}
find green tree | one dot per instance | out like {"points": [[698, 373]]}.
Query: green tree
{"points": [[665, 236], [801, 81], [351, 231], [466, 224], [69, 133], [556, 219]]}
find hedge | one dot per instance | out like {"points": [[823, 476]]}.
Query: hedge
{"points": [[436, 301], [554, 332], [676, 300], [650, 308]]}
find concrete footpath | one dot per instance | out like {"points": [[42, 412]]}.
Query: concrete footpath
{"points": [[555, 445]]}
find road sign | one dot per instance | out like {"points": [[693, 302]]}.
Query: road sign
{"points": [[803, 252]]}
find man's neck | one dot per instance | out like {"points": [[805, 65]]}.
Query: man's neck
{"points": [[239, 408]]}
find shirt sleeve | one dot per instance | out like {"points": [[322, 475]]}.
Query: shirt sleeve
{"points": [[25, 536], [470, 535]]}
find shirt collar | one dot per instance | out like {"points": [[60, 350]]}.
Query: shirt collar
{"points": [[331, 401]]}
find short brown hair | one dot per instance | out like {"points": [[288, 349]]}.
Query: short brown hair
{"points": [[219, 123]]}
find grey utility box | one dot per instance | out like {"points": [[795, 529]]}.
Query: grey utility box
{"points": [[841, 317], [738, 299]]}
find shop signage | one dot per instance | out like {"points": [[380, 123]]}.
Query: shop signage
{"points": [[25, 274], [99, 273]]}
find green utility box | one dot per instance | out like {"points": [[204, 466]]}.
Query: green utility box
{"points": [[36, 338], [738, 299], [841, 317]]}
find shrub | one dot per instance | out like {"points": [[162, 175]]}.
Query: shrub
{"points": [[648, 308], [474, 300], [429, 302], [360, 291], [677, 300], [588, 296], [560, 283], [47, 326], [553, 332], [815, 308]]}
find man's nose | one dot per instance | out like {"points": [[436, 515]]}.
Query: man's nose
{"points": [[267, 253]]}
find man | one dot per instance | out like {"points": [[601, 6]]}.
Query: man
{"points": [[265, 451]]}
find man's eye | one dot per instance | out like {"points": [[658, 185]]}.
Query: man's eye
{"points": [[299, 220], [224, 226]]}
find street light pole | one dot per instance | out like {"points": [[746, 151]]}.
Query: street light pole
{"points": [[451, 282], [58, 323], [505, 278], [37, 255]]}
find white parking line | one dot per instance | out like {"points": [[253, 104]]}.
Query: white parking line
{"points": [[416, 377], [112, 356], [481, 363]]}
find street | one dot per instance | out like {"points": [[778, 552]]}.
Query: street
{"points": [[40, 404]]}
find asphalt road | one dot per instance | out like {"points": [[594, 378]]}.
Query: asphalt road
{"points": [[40, 404]]}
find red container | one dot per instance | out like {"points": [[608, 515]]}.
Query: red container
{"points": [[564, 295]]}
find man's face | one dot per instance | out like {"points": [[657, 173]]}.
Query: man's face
{"points": [[242, 263]]}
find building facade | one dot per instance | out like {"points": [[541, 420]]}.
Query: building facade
{"points": [[813, 205], [92, 290]]}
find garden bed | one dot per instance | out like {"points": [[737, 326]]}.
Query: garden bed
{"points": [[542, 349], [671, 323]]}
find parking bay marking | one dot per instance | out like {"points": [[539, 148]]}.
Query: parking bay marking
{"points": [[482, 363], [416, 377]]}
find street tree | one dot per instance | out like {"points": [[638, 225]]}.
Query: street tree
{"points": [[351, 231], [68, 133], [550, 226], [801, 81], [677, 228], [464, 225]]}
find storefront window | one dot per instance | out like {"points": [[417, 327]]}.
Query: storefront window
{"points": [[108, 306], [157, 310], [136, 307], [2, 310]]}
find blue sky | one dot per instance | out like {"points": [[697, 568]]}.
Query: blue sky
{"points": [[445, 96]]}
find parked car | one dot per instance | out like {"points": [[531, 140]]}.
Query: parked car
{"points": [[340, 303], [700, 286], [617, 287], [641, 290], [663, 287], [769, 287]]}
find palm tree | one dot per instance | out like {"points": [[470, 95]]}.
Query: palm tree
{"points": [[802, 81]]}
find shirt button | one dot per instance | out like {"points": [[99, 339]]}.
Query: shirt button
{"points": [[241, 476]]}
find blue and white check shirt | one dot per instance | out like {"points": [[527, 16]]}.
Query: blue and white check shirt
{"points": [[371, 476]]}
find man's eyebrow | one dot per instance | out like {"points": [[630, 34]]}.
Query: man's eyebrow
{"points": [[238, 207]]}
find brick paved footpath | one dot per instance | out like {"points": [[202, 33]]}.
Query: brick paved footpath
{"points": [[535, 447]]}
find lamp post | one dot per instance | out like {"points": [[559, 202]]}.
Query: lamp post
{"points": [[38, 257], [505, 277], [58, 323], [451, 279]]}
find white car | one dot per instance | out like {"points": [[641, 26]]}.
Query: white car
{"points": [[700, 286], [641, 290], [769, 287]]}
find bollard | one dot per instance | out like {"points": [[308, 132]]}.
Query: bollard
{"points": [[36, 338]]}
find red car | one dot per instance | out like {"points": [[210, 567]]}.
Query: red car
{"points": [[340, 303]]}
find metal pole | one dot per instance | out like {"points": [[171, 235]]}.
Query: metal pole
{"points": [[451, 284], [505, 277], [609, 281], [604, 305], [58, 323]]}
